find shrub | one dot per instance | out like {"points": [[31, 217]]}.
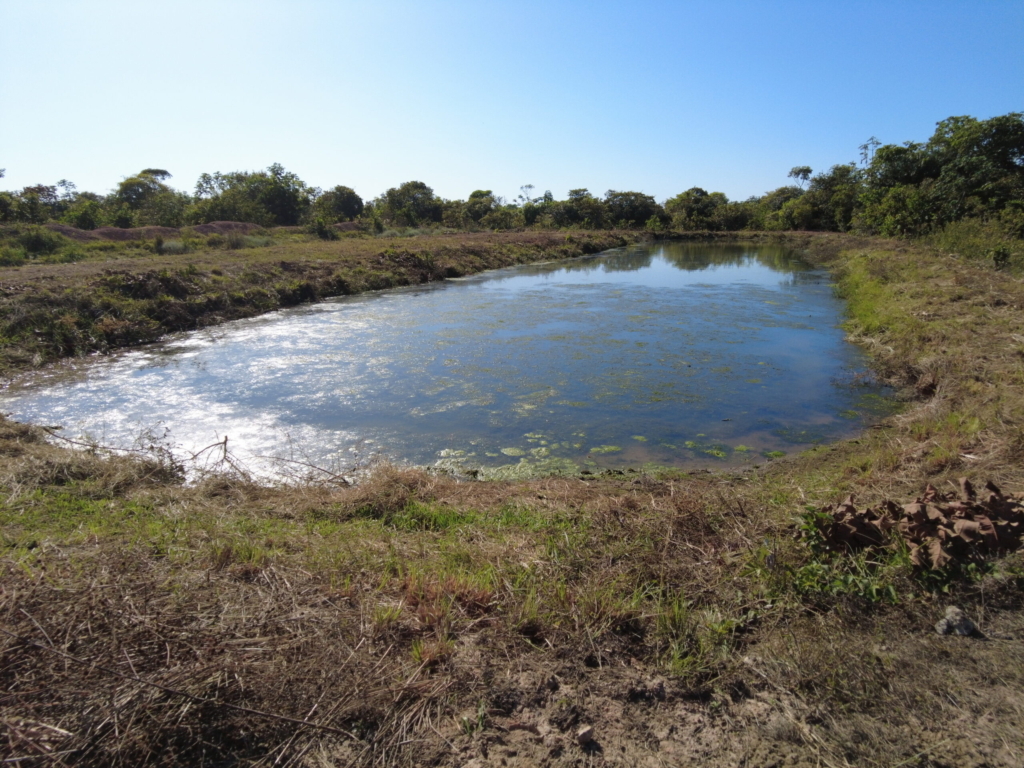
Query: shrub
{"points": [[85, 215], [12, 256], [39, 240], [175, 247], [322, 229], [123, 217], [979, 240]]}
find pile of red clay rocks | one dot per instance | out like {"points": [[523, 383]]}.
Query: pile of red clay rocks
{"points": [[940, 529]]}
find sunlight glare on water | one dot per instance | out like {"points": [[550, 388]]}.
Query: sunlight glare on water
{"points": [[676, 354]]}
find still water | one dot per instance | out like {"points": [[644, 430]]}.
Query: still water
{"points": [[678, 355]]}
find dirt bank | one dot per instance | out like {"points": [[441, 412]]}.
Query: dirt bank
{"points": [[417, 620], [124, 298]]}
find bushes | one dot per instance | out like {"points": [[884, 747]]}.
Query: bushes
{"points": [[979, 240], [85, 215], [322, 229], [39, 240], [12, 256]]}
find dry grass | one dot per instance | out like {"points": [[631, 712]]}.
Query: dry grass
{"points": [[129, 297], [413, 619]]}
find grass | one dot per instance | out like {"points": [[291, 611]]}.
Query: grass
{"points": [[121, 294], [415, 619]]}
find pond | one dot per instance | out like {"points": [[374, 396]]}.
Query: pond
{"points": [[691, 355]]}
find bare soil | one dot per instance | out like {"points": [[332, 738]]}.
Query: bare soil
{"points": [[414, 619]]}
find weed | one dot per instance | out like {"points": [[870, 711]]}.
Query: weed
{"points": [[431, 653], [471, 724], [385, 618], [280, 599]]}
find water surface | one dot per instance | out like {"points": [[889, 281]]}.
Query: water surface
{"points": [[679, 355]]}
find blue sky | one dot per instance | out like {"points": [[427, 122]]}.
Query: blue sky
{"points": [[465, 94]]}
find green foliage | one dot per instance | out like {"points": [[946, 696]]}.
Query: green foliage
{"points": [[480, 203], [165, 209], [655, 224], [695, 209], [135, 190], [8, 207], [123, 217], [504, 217], [150, 201], [454, 215], [85, 214], [980, 240], [39, 240], [969, 169], [273, 197], [632, 209], [322, 228], [338, 204], [409, 205], [834, 196], [801, 174], [12, 256], [899, 211]]}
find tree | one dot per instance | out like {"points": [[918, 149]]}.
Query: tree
{"points": [[585, 210], [835, 196], [481, 202], [801, 174], [982, 165], [767, 210], [631, 209], [86, 213], [144, 199], [274, 197], [968, 168], [338, 204], [695, 209], [411, 204], [453, 214], [135, 190], [525, 193]]}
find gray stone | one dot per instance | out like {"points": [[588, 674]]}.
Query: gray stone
{"points": [[955, 622]]}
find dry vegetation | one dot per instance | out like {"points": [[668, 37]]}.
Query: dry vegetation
{"points": [[132, 291], [416, 620]]}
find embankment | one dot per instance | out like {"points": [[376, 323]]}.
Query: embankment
{"points": [[413, 619], [50, 311]]}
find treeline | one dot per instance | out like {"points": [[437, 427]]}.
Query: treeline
{"points": [[969, 169]]}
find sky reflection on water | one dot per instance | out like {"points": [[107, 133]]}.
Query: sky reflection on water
{"points": [[676, 354]]}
